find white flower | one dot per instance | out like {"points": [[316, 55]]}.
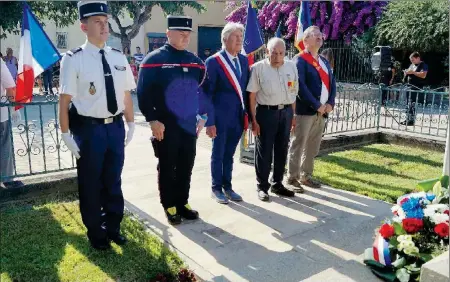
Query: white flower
{"points": [[439, 218], [429, 211], [397, 219], [401, 214], [410, 250], [404, 238]]}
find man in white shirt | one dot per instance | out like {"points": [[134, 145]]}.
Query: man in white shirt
{"points": [[7, 92], [96, 79], [273, 87]]}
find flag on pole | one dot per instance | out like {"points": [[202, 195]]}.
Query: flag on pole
{"points": [[253, 39], [37, 53], [304, 21], [278, 32]]}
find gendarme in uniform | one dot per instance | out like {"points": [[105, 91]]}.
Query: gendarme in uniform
{"points": [[98, 81]]}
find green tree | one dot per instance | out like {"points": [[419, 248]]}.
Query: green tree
{"points": [[415, 25], [66, 13]]}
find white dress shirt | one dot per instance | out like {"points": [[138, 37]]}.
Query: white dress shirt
{"points": [[82, 77]]}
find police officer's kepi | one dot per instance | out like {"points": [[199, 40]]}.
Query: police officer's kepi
{"points": [[92, 8], [179, 23]]}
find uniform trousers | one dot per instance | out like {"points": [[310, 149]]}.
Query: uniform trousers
{"points": [[305, 145], [229, 132], [176, 154], [99, 170], [272, 144]]}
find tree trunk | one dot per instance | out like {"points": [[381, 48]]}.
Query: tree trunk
{"points": [[126, 42]]}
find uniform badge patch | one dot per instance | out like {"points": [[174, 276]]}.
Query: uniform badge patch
{"points": [[120, 68], [92, 89]]}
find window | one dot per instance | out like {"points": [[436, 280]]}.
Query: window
{"points": [[114, 42], [61, 40]]}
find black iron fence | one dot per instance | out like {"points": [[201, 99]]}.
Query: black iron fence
{"points": [[402, 108], [36, 146]]}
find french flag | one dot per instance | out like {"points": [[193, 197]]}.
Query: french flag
{"points": [[304, 21], [37, 53]]}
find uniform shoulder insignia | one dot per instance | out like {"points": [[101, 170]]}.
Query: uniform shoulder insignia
{"points": [[74, 51], [117, 50]]}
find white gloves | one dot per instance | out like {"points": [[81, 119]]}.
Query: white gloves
{"points": [[15, 115], [71, 144], [130, 133]]}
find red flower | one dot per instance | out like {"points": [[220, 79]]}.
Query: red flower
{"points": [[289, 83], [412, 225], [404, 200], [387, 231], [442, 230]]}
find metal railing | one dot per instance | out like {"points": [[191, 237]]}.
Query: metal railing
{"points": [[37, 148], [36, 145], [377, 107]]}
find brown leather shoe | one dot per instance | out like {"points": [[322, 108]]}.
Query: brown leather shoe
{"points": [[296, 185], [311, 182]]}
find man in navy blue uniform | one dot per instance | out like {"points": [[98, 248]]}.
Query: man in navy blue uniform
{"points": [[315, 100], [170, 98], [97, 80], [226, 83]]}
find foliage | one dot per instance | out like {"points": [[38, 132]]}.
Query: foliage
{"points": [[418, 231], [65, 13], [336, 19], [415, 25]]}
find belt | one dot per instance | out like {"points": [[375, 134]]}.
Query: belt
{"points": [[275, 107], [94, 120]]}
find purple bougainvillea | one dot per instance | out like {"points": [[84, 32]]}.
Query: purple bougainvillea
{"points": [[337, 19]]}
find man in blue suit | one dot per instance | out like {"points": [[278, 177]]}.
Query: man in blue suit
{"points": [[226, 83], [317, 92]]}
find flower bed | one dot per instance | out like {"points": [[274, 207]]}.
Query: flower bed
{"points": [[417, 232]]}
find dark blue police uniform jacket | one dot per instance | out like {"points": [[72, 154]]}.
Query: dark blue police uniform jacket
{"points": [[227, 115], [310, 87], [169, 89]]}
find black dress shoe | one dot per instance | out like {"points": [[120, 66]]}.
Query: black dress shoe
{"points": [[172, 216], [280, 190], [118, 239], [263, 196], [407, 123], [187, 212], [101, 245]]}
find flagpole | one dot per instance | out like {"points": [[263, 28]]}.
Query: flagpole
{"points": [[445, 170]]}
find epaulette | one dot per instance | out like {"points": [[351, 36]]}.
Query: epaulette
{"points": [[74, 51], [115, 49]]}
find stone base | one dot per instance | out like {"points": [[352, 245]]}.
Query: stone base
{"points": [[436, 270]]}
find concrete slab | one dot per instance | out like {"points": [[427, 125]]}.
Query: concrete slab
{"points": [[317, 236]]}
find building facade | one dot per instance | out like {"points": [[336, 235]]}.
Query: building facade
{"points": [[206, 35]]}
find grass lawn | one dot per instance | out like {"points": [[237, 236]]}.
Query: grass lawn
{"points": [[44, 240], [380, 171]]}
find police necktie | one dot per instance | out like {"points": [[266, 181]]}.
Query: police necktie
{"points": [[109, 84], [236, 65]]}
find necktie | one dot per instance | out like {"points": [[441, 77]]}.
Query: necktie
{"points": [[109, 84], [236, 65]]}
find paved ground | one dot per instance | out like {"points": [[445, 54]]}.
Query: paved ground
{"points": [[318, 236]]}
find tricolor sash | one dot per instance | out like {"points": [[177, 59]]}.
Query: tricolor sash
{"points": [[381, 252], [228, 70], [322, 73]]}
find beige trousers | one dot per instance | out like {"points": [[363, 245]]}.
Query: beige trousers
{"points": [[305, 145]]}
